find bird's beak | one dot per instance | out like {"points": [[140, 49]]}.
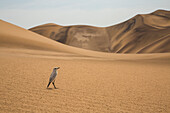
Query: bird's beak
{"points": [[58, 67]]}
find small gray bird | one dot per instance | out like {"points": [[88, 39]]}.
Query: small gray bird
{"points": [[53, 76]]}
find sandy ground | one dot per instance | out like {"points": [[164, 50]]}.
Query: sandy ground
{"points": [[83, 84]]}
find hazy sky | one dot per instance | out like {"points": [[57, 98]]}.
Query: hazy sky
{"points": [[29, 13]]}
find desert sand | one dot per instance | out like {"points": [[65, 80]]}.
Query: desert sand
{"points": [[144, 33], [88, 81]]}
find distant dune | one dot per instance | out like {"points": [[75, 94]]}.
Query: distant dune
{"points": [[144, 33]]}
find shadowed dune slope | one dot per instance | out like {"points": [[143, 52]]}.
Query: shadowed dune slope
{"points": [[131, 36]]}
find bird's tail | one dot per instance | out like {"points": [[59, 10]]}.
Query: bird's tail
{"points": [[48, 84]]}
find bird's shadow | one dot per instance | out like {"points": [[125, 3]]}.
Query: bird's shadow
{"points": [[52, 88]]}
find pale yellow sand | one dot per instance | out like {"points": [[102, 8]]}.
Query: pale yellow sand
{"points": [[83, 85], [87, 82]]}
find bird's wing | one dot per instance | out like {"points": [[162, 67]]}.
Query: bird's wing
{"points": [[52, 77]]}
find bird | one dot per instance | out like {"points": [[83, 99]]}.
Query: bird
{"points": [[53, 76]]}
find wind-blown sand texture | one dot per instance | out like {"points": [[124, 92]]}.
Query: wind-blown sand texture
{"points": [[144, 33], [88, 81]]}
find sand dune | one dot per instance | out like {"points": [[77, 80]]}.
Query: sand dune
{"points": [[127, 37], [15, 37], [88, 81]]}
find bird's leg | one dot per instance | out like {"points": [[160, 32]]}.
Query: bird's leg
{"points": [[54, 85], [48, 84]]}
